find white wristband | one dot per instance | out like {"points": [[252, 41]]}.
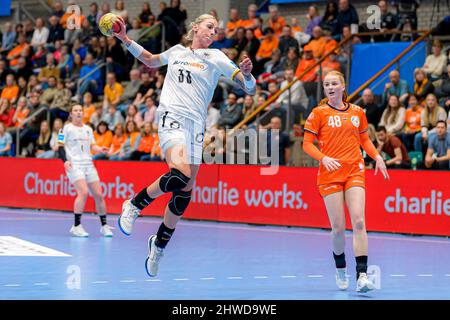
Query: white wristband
{"points": [[135, 48], [249, 84]]}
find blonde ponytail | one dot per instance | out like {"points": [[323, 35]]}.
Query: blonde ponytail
{"points": [[190, 35]]}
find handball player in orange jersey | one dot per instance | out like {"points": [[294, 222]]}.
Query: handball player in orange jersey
{"points": [[341, 129]]}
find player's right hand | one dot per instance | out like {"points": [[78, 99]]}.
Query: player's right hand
{"points": [[67, 165], [330, 164], [123, 29]]}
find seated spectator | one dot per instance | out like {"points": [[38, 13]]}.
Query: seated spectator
{"points": [[118, 141], [8, 39], [29, 133], [287, 41], [134, 115], [86, 32], [21, 113], [103, 138], [18, 51], [251, 22], [275, 111], [5, 141], [347, 15], [150, 110], [6, 113], [145, 143], [145, 90], [38, 59], [443, 91], [291, 60], [145, 14], [49, 94], [275, 21], [274, 67], [436, 62], [389, 21], [58, 10], [422, 86], [330, 64], [71, 35], [393, 117], [297, 99], [438, 153], [11, 91], [130, 91], [248, 106], [119, 9], [28, 30], [220, 22], [212, 118], [313, 19], [54, 146], [318, 42], [112, 91], [50, 70], [268, 46], [329, 19], [373, 111], [233, 24], [135, 30], [116, 59], [222, 42], [79, 48], [60, 106], [391, 146], [112, 116], [307, 62], [88, 107], [92, 81], [231, 113], [4, 71], [431, 114], [284, 142], [55, 31], [130, 145], [23, 69], [412, 122], [240, 41], [252, 46], [396, 87], [40, 34], [96, 117], [43, 141], [330, 43]]}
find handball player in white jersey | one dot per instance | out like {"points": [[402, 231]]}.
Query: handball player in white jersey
{"points": [[192, 76], [76, 140]]}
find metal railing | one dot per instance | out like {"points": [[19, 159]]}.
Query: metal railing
{"points": [[80, 81], [163, 34], [21, 9], [27, 120]]}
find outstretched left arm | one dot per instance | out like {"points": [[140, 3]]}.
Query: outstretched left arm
{"points": [[244, 77]]}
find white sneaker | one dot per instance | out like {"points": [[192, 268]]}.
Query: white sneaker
{"points": [[129, 214], [155, 254], [79, 231], [106, 231], [341, 278], [364, 284]]}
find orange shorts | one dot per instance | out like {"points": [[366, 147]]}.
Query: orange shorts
{"points": [[354, 177]]}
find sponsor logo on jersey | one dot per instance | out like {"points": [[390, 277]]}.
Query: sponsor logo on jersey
{"points": [[355, 121], [198, 65]]}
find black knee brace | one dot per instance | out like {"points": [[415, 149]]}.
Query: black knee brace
{"points": [[173, 180], [179, 202]]}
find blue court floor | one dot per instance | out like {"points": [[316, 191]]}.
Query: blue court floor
{"points": [[206, 260]]}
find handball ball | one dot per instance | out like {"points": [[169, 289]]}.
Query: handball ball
{"points": [[108, 25]]}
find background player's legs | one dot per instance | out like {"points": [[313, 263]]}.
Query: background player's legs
{"points": [[355, 199], [100, 204], [334, 204], [81, 188]]}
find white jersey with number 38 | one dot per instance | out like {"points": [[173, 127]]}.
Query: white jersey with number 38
{"points": [[191, 79]]}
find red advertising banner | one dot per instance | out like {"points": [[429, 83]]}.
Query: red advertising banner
{"points": [[413, 202]]}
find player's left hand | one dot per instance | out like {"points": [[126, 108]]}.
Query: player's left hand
{"points": [[246, 66], [380, 165]]}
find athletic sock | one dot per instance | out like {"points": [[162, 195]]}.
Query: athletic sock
{"points": [[77, 219], [361, 265], [163, 235], [103, 219], [142, 199], [340, 260]]}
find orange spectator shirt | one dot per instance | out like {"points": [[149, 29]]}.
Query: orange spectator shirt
{"points": [[249, 23], [318, 47], [267, 48], [87, 113], [277, 26], [146, 143], [21, 116], [329, 46], [103, 140], [117, 142], [302, 66], [412, 120], [10, 93], [338, 133], [233, 26], [133, 136], [17, 50]]}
